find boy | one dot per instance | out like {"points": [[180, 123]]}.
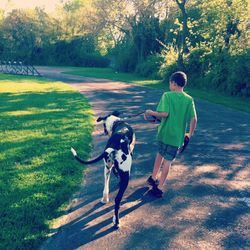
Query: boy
{"points": [[175, 109]]}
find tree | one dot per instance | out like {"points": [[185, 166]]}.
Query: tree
{"points": [[223, 29], [75, 17], [18, 35], [183, 33]]}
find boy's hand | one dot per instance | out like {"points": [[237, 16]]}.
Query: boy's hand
{"points": [[150, 113], [147, 113], [185, 143]]}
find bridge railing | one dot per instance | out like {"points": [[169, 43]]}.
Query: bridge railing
{"points": [[18, 68]]}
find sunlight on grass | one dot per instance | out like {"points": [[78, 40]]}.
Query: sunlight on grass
{"points": [[40, 121], [105, 73], [148, 82], [31, 111]]}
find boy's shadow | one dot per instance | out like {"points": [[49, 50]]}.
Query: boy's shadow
{"points": [[80, 231]]}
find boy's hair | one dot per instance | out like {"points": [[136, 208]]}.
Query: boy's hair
{"points": [[179, 77]]}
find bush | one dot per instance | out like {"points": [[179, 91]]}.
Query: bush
{"points": [[125, 58], [169, 66], [220, 71], [151, 66], [238, 80], [217, 70], [76, 52], [168, 71], [197, 65]]}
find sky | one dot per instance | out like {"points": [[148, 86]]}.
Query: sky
{"points": [[48, 5]]}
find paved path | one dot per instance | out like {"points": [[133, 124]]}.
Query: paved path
{"points": [[206, 201]]}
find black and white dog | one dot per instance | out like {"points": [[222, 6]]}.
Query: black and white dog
{"points": [[117, 156]]}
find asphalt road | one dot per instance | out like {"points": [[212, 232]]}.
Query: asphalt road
{"points": [[206, 201]]}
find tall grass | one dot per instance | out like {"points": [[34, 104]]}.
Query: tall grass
{"points": [[40, 120]]}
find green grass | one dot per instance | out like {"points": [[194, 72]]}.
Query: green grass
{"points": [[234, 102], [40, 121], [106, 73]]}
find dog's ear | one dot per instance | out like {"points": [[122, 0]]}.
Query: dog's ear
{"points": [[116, 113], [100, 119]]}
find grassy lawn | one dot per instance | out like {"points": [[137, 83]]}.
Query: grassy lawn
{"points": [[40, 121], [238, 103]]}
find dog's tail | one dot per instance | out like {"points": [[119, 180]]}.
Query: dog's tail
{"points": [[87, 162]]}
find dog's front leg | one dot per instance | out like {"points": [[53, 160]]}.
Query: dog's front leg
{"points": [[107, 171]]}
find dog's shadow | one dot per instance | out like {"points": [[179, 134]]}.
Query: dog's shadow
{"points": [[86, 228]]}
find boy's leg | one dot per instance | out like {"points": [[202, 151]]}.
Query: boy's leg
{"points": [[152, 180], [164, 173], [168, 154], [157, 189], [157, 165]]}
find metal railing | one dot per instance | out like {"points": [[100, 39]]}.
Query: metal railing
{"points": [[18, 68]]}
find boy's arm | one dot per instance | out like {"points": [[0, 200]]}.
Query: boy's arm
{"points": [[156, 114], [192, 126]]}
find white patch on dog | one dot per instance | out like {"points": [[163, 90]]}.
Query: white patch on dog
{"points": [[110, 121], [109, 150], [124, 165], [110, 161]]}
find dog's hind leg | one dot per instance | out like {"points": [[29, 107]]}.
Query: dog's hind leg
{"points": [[132, 144], [105, 198], [123, 186]]}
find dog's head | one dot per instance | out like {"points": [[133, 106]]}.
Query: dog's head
{"points": [[108, 121]]}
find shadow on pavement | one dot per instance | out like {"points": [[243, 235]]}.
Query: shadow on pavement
{"points": [[82, 231]]}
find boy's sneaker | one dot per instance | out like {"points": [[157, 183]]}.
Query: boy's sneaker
{"points": [[152, 182], [157, 192]]}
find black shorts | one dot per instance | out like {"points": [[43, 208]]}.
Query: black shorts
{"points": [[168, 152]]}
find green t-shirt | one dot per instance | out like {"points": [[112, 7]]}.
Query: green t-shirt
{"points": [[181, 109]]}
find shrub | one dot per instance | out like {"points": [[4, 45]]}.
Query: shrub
{"points": [[217, 70], [169, 65], [220, 71], [238, 80], [76, 52], [151, 66], [124, 57]]}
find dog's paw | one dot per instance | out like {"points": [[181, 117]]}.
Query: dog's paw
{"points": [[116, 223], [73, 152], [105, 200]]}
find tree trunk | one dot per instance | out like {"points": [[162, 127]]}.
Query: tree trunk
{"points": [[182, 44]]}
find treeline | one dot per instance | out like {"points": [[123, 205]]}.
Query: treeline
{"points": [[32, 36], [207, 39]]}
